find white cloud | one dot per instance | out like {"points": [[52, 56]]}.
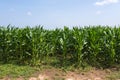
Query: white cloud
{"points": [[105, 2], [98, 12], [29, 13]]}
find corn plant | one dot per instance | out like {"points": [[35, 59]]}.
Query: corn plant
{"points": [[80, 41], [93, 45]]}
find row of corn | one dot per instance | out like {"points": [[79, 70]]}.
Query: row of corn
{"points": [[92, 45]]}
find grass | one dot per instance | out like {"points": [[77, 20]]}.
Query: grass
{"points": [[114, 76], [15, 71]]}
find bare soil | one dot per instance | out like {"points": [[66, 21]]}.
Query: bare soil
{"points": [[58, 74], [69, 75]]}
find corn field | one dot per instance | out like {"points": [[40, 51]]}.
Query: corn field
{"points": [[91, 45]]}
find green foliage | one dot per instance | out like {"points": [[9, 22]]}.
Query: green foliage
{"points": [[93, 45], [14, 71]]}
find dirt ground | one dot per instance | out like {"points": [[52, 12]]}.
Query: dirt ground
{"points": [[56, 74]]}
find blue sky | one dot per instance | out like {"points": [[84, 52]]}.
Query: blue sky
{"points": [[59, 13]]}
